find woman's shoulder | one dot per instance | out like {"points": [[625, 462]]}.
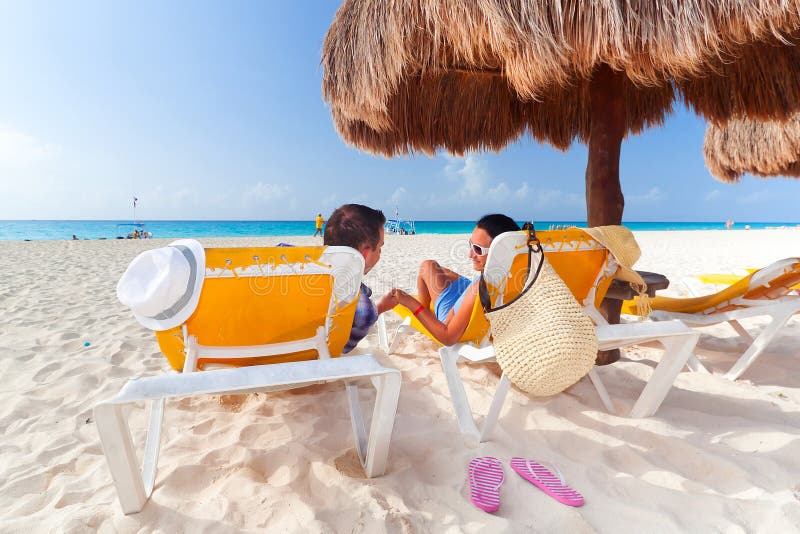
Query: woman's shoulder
{"points": [[472, 290]]}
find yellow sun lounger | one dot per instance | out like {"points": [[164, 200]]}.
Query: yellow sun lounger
{"points": [[765, 292], [276, 318], [588, 269], [728, 279]]}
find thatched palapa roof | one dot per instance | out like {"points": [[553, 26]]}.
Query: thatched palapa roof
{"points": [[762, 148], [419, 75]]}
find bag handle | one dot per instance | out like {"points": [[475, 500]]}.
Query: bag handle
{"points": [[533, 246]]}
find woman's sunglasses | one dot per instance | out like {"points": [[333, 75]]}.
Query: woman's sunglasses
{"points": [[477, 249]]}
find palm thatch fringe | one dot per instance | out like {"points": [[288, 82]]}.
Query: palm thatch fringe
{"points": [[762, 148], [419, 75]]}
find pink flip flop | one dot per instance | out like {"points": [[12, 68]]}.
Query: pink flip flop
{"points": [[541, 477], [485, 478]]}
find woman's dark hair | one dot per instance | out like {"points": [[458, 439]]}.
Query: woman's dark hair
{"points": [[354, 225], [497, 223]]}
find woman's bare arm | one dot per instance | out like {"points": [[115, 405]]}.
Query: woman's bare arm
{"points": [[449, 332]]}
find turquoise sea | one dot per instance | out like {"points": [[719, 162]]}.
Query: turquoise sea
{"points": [[35, 230]]}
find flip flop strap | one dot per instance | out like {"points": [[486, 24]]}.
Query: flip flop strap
{"points": [[490, 461], [551, 467]]}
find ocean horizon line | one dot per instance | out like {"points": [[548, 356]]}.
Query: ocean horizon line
{"points": [[127, 221], [65, 229]]}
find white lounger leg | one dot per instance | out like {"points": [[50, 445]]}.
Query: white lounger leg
{"points": [[780, 316], [115, 437], [373, 449], [694, 364], [387, 388], [679, 342], [466, 423], [744, 334], [677, 351], [594, 376], [152, 445], [383, 334], [494, 410]]}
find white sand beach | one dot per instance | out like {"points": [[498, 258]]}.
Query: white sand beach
{"points": [[718, 456]]}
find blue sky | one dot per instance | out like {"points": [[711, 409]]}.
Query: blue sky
{"points": [[213, 110]]}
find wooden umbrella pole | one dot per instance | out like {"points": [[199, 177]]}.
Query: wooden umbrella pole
{"points": [[604, 200]]}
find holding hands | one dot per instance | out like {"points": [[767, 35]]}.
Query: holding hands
{"points": [[404, 298], [395, 297]]}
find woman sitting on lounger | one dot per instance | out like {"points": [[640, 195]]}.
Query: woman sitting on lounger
{"points": [[452, 294]]}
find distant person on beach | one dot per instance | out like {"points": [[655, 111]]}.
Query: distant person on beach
{"points": [[319, 221], [453, 295], [728, 224], [361, 228], [74, 237]]}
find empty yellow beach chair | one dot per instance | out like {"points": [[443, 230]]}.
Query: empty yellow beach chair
{"points": [[765, 292], [280, 316], [588, 268]]}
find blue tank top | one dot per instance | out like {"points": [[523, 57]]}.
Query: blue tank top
{"points": [[452, 297]]}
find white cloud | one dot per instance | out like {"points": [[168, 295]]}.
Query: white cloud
{"points": [[265, 193], [654, 194], [474, 180], [399, 194], [499, 191], [551, 198], [17, 148], [522, 191]]}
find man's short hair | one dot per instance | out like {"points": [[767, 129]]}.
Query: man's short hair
{"points": [[354, 225]]}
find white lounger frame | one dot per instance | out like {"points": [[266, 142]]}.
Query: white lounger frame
{"points": [[779, 310], [677, 339], [135, 485]]}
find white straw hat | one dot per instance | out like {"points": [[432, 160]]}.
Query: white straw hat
{"points": [[162, 286]]}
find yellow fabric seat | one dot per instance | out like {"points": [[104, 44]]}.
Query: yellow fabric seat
{"points": [[728, 279], [244, 303], [477, 328]]}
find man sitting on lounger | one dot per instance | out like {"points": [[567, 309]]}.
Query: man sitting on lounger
{"points": [[360, 227]]}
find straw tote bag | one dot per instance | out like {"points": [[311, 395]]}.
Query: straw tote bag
{"points": [[543, 340]]}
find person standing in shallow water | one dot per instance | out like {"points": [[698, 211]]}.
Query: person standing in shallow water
{"points": [[319, 221]]}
